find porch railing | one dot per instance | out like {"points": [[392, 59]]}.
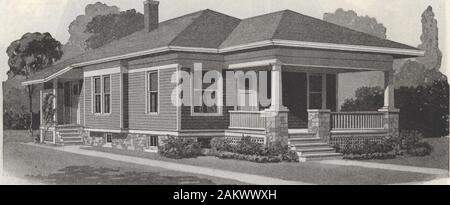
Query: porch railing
{"points": [[357, 120], [247, 120]]}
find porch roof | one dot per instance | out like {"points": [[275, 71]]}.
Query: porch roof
{"points": [[208, 31]]}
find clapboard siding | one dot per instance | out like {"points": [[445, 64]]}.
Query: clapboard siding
{"points": [[109, 121], [81, 100], [166, 120]]}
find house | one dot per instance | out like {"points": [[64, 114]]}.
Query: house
{"points": [[121, 95]]}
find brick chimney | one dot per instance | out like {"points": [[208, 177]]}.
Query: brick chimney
{"points": [[151, 15]]}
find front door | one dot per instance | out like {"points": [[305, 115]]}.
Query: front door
{"points": [[71, 96], [294, 98]]}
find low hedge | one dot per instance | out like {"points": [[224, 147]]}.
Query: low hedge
{"points": [[177, 147], [249, 150], [408, 142]]}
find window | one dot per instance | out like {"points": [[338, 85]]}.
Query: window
{"points": [[204, 90], [97, 95], [108, 138], [331, 92], [102, 94], [152, 92], [315, 91], [106, 94], [152, 141]]}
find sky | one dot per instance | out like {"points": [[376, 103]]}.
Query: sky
{"points": [[401, 17]]}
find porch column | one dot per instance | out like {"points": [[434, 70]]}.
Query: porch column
{"points": [[390, 113], [277, 88], [389, 101], [277, 115], [41, 118], [55, 101]]}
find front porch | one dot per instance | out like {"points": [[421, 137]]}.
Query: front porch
{"points": [[60, 109], [303, 107]]}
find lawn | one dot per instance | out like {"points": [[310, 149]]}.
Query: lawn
{"points": [[44, 166], [52, 166], [438, 158]]}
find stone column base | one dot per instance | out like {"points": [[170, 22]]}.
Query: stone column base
{"points": [[276, 126], [319, 123], [391, 120]]}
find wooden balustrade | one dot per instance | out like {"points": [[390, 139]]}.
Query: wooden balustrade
{"points": [[247, 120], [357, 120]]}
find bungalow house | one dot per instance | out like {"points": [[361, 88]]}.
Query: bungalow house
{"points": [[121, 95]]}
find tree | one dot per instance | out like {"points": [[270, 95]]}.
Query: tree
{"points": [[430, 41], [77, 28], [366, 99], [29, 54], [423, 70], [350, 19], [110, 27]]}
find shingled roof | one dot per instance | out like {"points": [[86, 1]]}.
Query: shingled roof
{"points": [[209, 29]]}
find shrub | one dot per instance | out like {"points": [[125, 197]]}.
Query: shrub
{"points": [[249, 150], [175, 147], [368, 150], [221, 144], [248, 147], [412, 142]]}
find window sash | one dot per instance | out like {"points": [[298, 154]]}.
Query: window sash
{"points": [[152, 92], [101, 94], [106, 94]]}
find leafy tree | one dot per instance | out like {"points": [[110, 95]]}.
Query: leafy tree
{"points": [[77, 28], [350, 19], [366, 99], [29, 54], [423, 70], [110, 27]]}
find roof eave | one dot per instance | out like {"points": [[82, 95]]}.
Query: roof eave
{"points": [[403, 53]]}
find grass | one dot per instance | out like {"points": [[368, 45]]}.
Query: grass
{"points": [[438, 158], [50, 166], [41, 165]]}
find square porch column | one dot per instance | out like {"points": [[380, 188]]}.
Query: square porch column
{"points": [[55, 101], [277, 115], [390, 113]]}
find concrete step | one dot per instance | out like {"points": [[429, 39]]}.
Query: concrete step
{"points": [[71, 138], [304, 140], [68, 130], [73, 142], [70, 134], [311, 145], [302, 135], [319, 156], [304, 151]]}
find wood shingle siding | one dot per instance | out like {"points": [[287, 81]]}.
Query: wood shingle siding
{"points": [[137, 119], [104, 121]]}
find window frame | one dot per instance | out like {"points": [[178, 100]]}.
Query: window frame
{"points": [[148, 143], [95, 94], [218, 91], [102, 95], [148, 93], [314, 92]]}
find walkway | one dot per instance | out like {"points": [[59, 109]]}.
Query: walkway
{"points": [[403, 168]]}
